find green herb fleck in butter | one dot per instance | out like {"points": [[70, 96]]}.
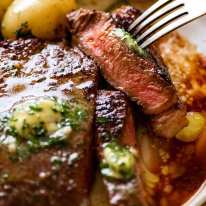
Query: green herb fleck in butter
{"points": [[35, 118], [40, 123], [129, 41], [118, 162]]}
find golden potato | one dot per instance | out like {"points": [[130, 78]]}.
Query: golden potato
{"points": [[194, 128], [4, 4], [44, 19], [97, 4]]}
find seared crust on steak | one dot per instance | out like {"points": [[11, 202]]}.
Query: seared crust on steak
{"points": [[118, 125], [111, 106], [29, 69], [170, 122]]}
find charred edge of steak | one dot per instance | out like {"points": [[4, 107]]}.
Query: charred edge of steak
{"points": [[169, 123], [82, 18], [124, 17], [110, 114], [114, 122], [21, 49]]}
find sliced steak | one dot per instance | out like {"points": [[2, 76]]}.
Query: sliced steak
{"points": [[115, 133], [142, 78], [121, 67], [45, 163], [169, 122]]}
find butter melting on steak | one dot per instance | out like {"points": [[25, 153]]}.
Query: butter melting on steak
{"points": [[47, 101], [117, 150], [138, 76]]}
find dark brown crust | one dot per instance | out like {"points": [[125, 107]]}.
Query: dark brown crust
{"points": [[113, 106], [169, 123], [31, 68]]}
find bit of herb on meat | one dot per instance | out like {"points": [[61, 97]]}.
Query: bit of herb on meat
{"points": [[102, 120], [72, 116], [118, 162], [56, 161], [129, 41]]}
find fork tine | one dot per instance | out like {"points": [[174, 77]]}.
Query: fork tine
{"points": [[179, 12], [148, 12], [176, 24], [168, 8]]}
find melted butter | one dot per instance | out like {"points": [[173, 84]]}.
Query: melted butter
{"points": [[17, 89], [45, 115], [84, 85], [16, 85]]}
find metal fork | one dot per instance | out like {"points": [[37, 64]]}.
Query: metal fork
{"points": [[165, 16]]}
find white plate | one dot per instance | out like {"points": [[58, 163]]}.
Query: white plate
{"points": [[196, 33]]}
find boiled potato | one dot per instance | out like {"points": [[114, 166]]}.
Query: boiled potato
{"points": [[196, 125], [44, 19], [97, 4], [141, 4], [3, 7]]}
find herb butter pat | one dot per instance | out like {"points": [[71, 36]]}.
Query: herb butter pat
{"points": [[129, 41], [40, 123], [28, 117], [118, 162]]}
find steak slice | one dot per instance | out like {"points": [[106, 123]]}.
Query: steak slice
{"points": [[169, 122], [121, 67], [142, 78], [36, 169], [115, 127]]}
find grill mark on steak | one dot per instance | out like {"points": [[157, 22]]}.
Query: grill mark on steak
{"points": [[29, 69], [146, 81], [113, 106]]}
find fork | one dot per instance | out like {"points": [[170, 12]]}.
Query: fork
{"points": [[163, 17]]}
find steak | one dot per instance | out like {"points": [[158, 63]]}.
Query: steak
{"points": [[115, 125], [169, 122], [38, 170], [142, 78]]}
